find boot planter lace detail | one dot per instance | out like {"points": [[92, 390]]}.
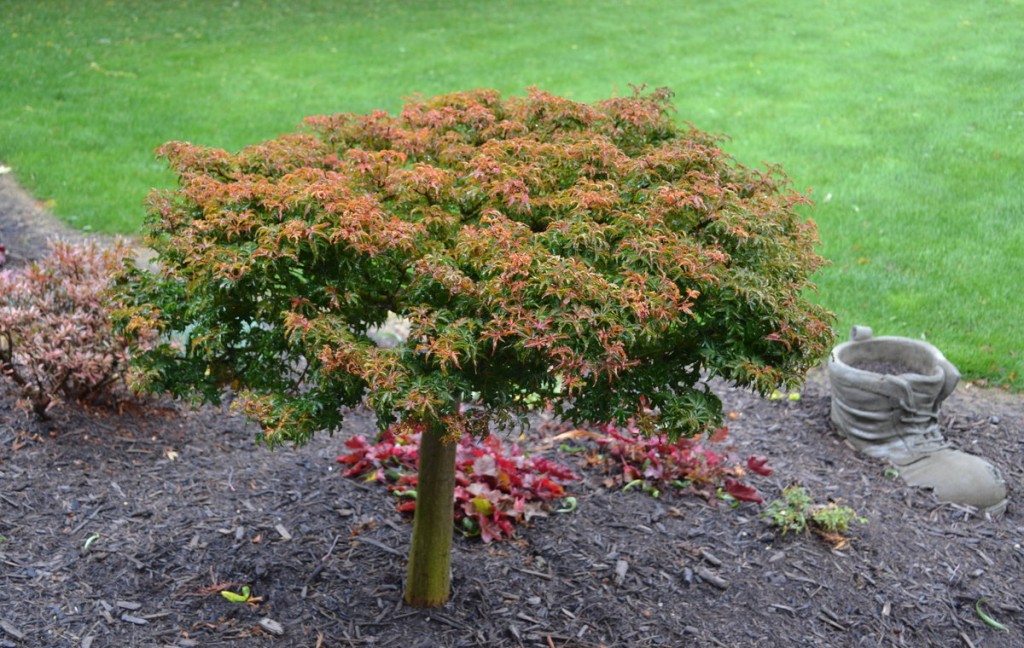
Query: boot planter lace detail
{"points": [[886, 393]]}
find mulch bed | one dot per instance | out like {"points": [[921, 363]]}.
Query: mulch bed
{"points": [[118, 529]]}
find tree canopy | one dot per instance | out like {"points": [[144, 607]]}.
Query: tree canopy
{"points": [[600, 256]]}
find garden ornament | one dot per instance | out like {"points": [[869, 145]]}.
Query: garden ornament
{"points": [[886, 393]]}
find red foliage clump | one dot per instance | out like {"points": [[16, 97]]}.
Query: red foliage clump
{"points": [[497, 486], [657, 461]]}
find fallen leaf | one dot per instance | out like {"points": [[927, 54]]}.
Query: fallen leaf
{"points": [[759, 465], [742, 492]]}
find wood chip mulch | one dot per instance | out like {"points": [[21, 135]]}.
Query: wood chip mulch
{"points": [[123, 529]]}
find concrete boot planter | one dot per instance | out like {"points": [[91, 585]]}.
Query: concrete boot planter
{"points": [[886, 393]]}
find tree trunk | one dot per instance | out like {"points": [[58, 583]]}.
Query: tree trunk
{"points": [[428, 581]]}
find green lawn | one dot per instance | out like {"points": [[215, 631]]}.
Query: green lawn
{"points": [[906, 118]]}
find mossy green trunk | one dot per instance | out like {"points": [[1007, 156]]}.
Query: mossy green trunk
{"points": [[430, 557]]}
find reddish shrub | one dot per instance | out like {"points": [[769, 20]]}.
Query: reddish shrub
{"points": [[56, 336]]}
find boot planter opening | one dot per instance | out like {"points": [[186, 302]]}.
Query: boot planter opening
{"points": [[886, 393]]}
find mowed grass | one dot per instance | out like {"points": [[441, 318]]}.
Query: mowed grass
{"points": [[906, 119]]}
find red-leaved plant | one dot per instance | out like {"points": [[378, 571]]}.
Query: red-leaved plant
{"points": [[57, 341], [655, 462], [497, 486]]}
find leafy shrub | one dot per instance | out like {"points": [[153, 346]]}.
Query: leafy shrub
{"points": [[57, 340], [655, 462], [497, 486], [589, 254]]}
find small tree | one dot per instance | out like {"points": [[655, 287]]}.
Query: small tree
{"points": [[598, 256]]}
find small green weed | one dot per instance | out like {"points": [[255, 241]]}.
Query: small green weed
{"points": [[833, 518], [796, 512], [790, 512]]}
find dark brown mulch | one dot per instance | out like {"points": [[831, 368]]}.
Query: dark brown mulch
{"points": [[25, 226], [117, 529], [179, 503]]}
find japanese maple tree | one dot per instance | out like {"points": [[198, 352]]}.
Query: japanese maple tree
{"points": [[599, 256]]}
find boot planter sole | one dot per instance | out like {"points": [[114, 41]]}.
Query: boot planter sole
{"points": [[886, 393]]}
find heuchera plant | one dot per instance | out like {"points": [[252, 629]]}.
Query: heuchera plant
{"points": [[658, 461], [57, 340], [497, 486], [586, 254]]}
